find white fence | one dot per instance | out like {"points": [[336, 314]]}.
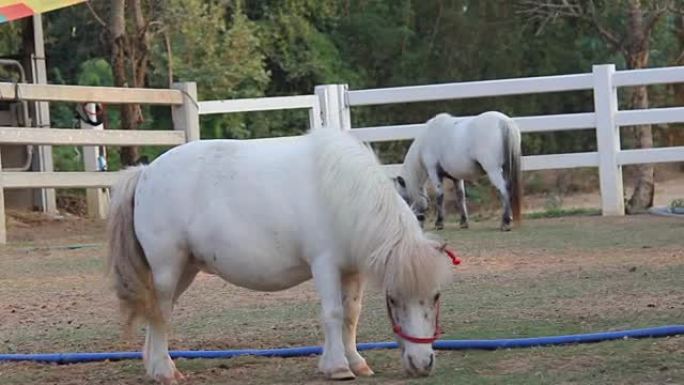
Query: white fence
{"points": [[182, 99], [332, 104], [606, 118]]}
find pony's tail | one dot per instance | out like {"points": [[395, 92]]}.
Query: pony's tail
{"points": [[126, 261], [512, 167]]}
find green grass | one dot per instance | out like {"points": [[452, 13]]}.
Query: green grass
{"points": [[548, 277], [558, 212]]}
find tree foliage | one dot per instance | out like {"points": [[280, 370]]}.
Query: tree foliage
{"points": [[236, 48]]}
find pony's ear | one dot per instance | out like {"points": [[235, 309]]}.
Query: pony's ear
{"points": [[401, 181]]}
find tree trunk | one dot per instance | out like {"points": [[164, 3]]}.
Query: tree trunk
{"points": [[637, 51], [119, 47]]}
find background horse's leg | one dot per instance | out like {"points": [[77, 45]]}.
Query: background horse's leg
{"points": [[352, 294], [461, 198], [436, 180], [167, 270], [333, 363], [497, 179]]}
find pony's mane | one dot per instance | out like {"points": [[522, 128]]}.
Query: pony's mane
{"points": [[371, 221]]}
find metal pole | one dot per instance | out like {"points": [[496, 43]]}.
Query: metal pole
{"points": [[46, 198]]}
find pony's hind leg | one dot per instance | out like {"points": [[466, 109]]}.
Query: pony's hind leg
{"points": [[352, 294], [461, 198], [497, 179], [171, 276]]}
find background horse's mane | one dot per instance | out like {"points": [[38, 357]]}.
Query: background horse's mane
{"points": [[412, 170], [371, 220]]}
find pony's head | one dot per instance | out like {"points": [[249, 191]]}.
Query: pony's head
{"points": [[417, 201], [412, 296]]}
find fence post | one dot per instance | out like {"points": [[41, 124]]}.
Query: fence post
{"points": [[315, 115], [335, 112], [3, 229], [186, 116], [96, 198], [608, 140]]}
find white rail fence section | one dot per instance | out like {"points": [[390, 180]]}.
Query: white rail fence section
{"points": [[330, 107], [606, 118], [265, 104], [183, 99]]}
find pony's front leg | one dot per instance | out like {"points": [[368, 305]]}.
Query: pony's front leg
{"points": [[333, 363], [352, 294], [439, 190]]}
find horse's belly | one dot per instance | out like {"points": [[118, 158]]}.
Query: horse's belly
{"points": [[242, 271], [267, 259], [461, 168]]}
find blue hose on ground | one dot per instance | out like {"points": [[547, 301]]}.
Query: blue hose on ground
{"points": [[70, 358]]}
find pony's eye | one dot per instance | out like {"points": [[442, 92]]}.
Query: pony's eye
{"points": [[436, 297]]}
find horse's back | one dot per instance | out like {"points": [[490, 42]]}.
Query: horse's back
{"points": [[233, 205], [462, 147]]}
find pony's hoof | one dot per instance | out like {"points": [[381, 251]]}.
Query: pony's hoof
{"points": [[506, 227], [176, 377], [439, 226], [341, 375], [464, 225], [362, 370]]}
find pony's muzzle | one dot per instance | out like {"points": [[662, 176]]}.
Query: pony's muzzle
{"points": [[419, 367]]}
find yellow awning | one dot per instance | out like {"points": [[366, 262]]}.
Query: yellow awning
{"points": [[13, 9]]}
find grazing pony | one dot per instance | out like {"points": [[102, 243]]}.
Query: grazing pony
{"points": [[460, 150], [267, 215]]}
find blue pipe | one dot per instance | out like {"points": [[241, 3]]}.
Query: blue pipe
{"points": [[69, 358]]}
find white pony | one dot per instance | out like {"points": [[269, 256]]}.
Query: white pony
{"points": [[460, 150], [268, 215]]}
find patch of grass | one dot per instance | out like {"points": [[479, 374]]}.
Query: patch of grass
{"points": [[549, 277], [559, 212], [568, 234]]}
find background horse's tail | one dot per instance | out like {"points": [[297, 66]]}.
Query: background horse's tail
{"points": [[512, 167], [126, 260]]}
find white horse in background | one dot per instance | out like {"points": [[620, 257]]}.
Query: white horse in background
{"points": [[268, 215], [460, 150]]}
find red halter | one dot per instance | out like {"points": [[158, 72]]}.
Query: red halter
{"points": [[396, 328]]}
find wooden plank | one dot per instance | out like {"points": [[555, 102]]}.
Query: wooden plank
{"points": [[475, 89], [650, 116], [560, 122], [257, 104], [537, 162], [548, 123], [75, 137], [648, 76], [392, 170], [558, 161], [58, 179], [108, 95], [651, 155], [388, 133]]}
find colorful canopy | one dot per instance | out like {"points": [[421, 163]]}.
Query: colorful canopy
{"points": [[16, 9]]}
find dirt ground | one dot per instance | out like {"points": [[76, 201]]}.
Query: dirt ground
{"points": [[548, 277]]}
